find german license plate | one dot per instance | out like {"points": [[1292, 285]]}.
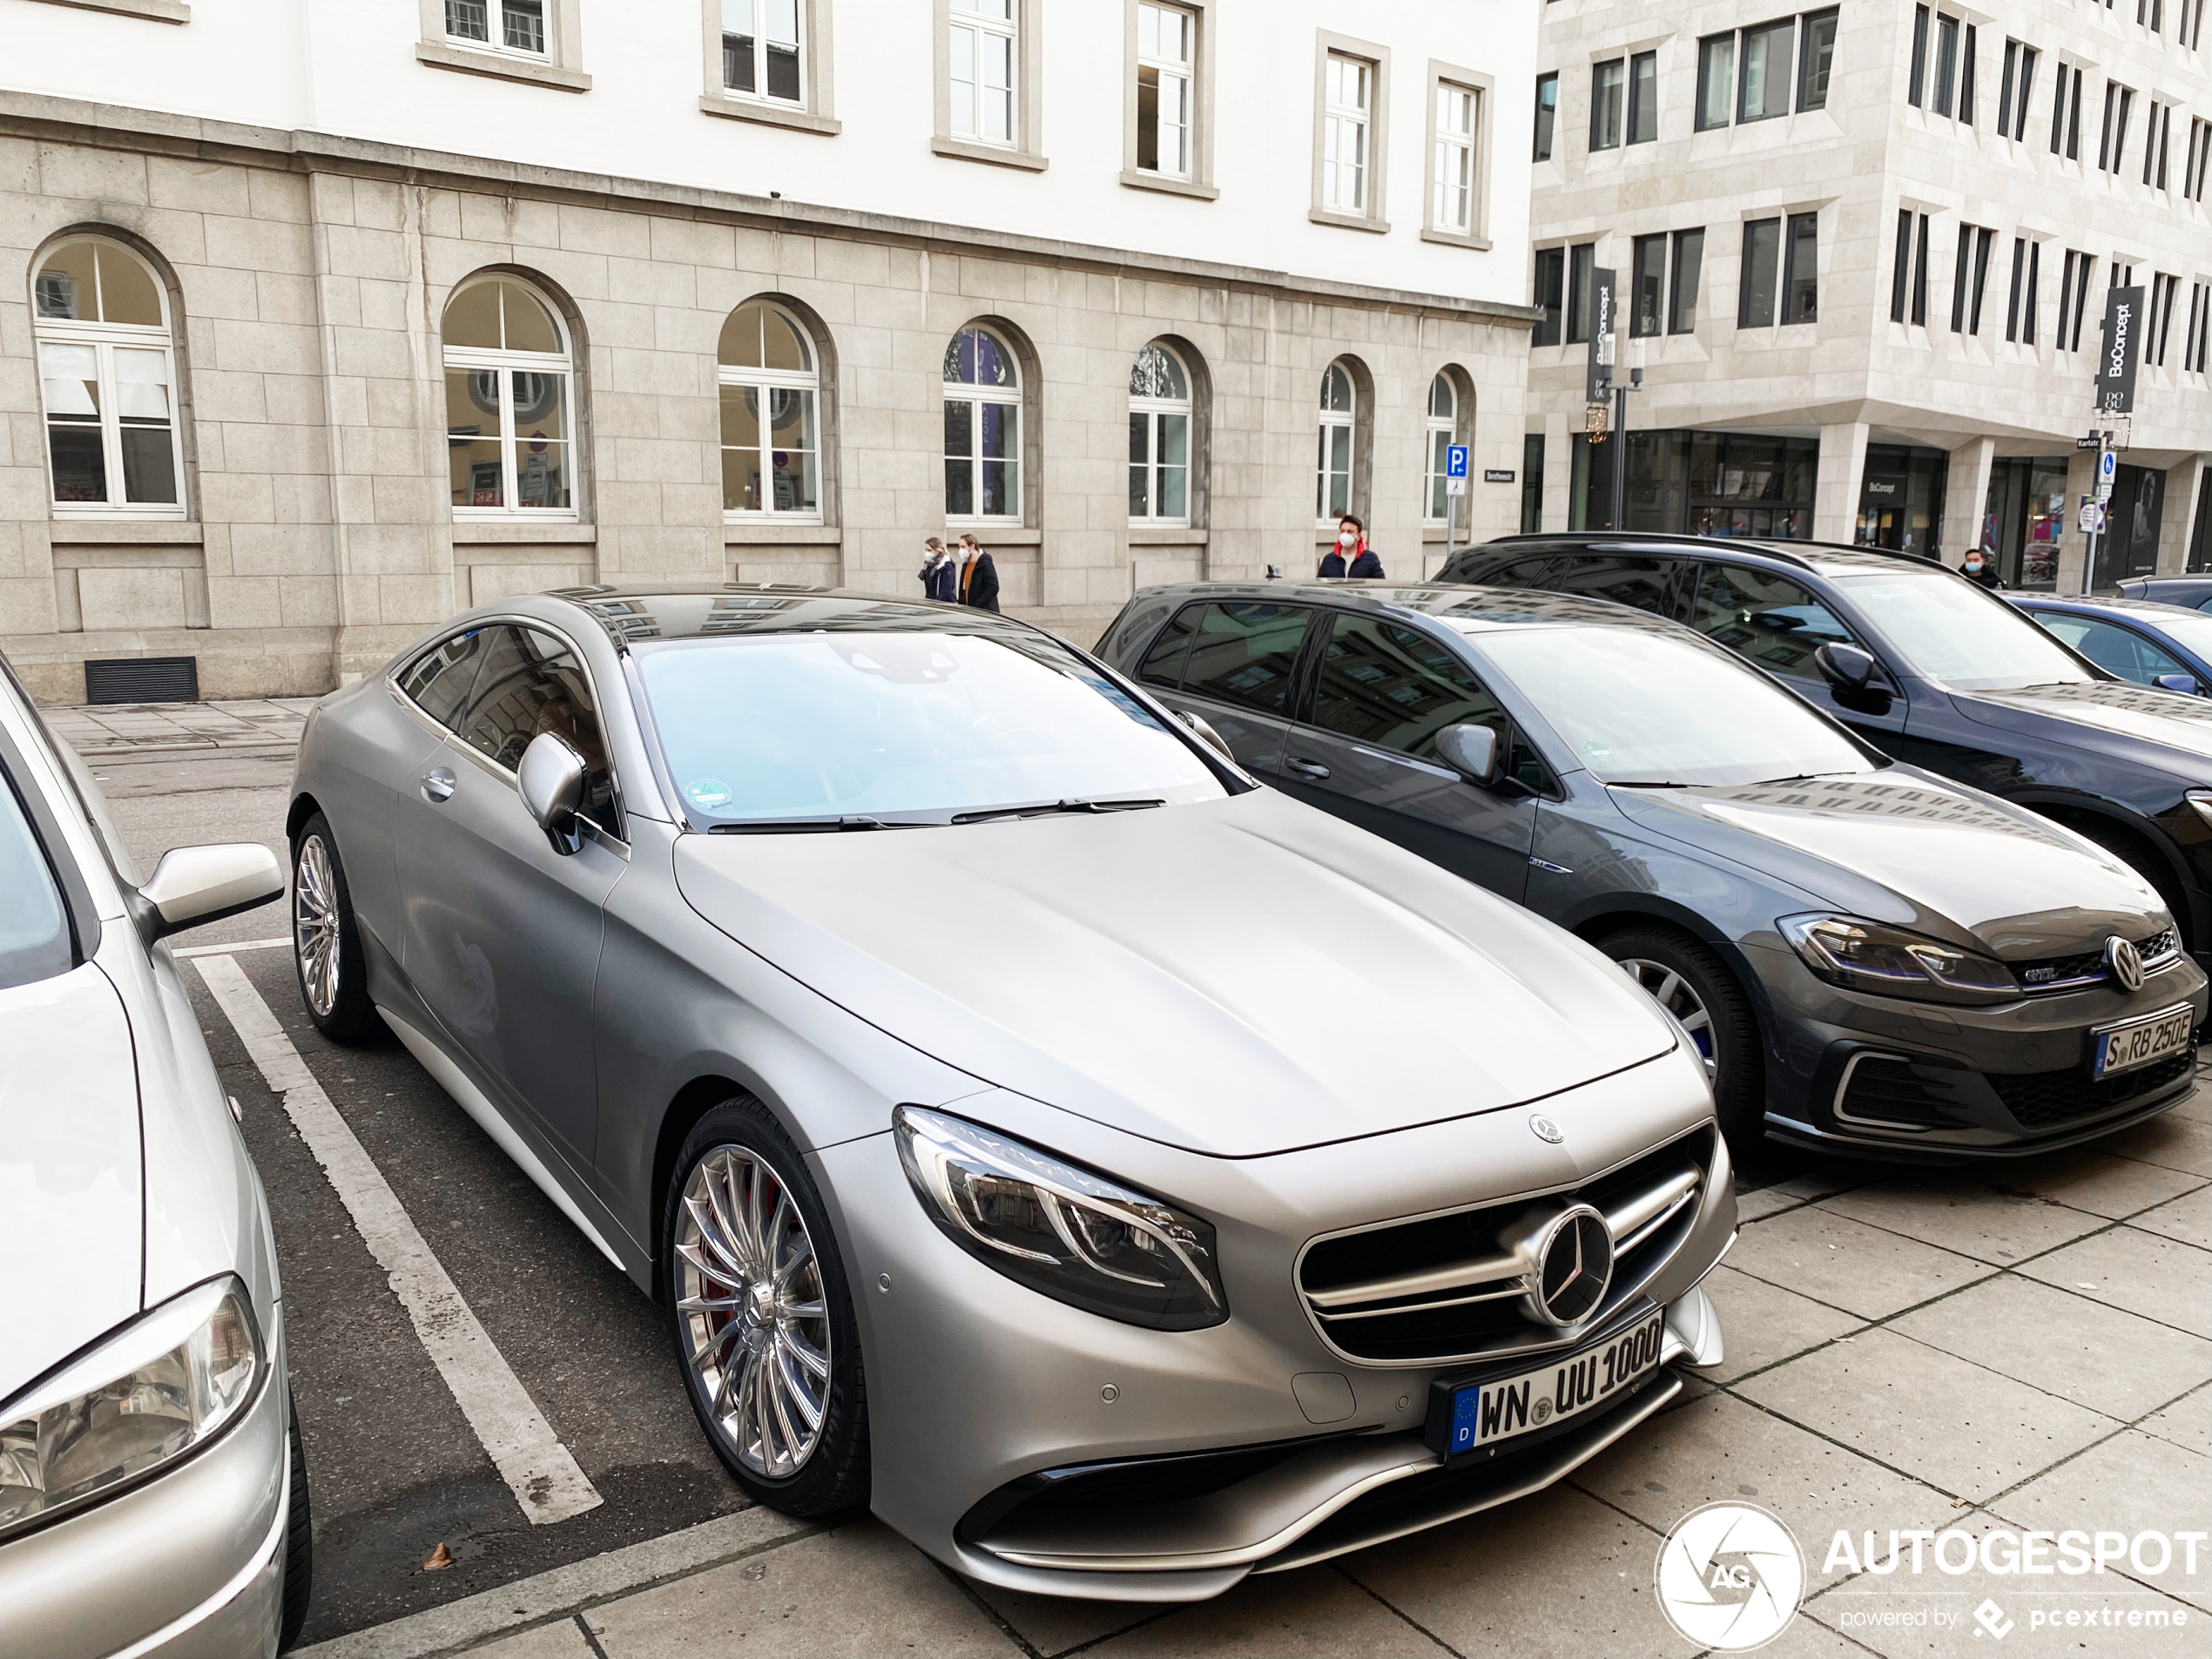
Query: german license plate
{"points": [[1484, 1412], [2123, 1047]]}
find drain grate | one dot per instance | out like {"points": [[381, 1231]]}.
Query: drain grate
{"points": [[143, 679]]}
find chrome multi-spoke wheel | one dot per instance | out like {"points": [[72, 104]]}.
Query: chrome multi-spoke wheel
{"points": [[315, 925], [1673, 993], [753, 1311]]}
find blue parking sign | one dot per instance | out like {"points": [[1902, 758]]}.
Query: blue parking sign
{"points": [[1455, 461]]}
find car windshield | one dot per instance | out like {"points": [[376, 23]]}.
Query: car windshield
{"points": [[1950, 632], [1640, 707], [34, 941], [896, 726]]}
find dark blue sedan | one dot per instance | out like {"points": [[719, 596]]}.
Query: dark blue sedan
{"points": [[2165, 645], [2192, 592]]}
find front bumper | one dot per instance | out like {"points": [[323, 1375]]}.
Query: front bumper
{"points": [[1960, 1083], [189, 1565], [976, 1384]]}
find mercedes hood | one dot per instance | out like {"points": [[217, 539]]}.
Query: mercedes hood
{"points": [[1235, 978]]}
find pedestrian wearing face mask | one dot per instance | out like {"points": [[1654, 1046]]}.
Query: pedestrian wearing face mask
{"points": [[1976, 567], [1351, 557]]}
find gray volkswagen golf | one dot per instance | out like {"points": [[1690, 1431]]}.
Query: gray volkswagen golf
{"points": [[928, 1019], [1866, 955]]}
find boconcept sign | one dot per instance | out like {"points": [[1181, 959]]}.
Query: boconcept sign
{"points": [[2116, 367]]}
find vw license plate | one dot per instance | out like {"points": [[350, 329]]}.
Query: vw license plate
{"points": [[2123, 1047], [1483, 1413]]}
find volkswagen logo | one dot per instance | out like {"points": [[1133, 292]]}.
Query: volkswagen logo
{"points": [[2124, 963], [1547, 1130], [1573, 1265]]}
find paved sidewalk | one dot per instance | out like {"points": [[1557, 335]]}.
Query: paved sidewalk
{"points": [[139, 728], [2019, 1347]]}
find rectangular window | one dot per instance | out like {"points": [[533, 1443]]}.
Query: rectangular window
{"points": [[1966, 78], [2112, 141], [1582, 264], [2013, 298], [1166, 54], [983, 38], [1763, 88], [1816, 58], [2197, 160], [1801, 270], [1532, 484], [1920, 276], [2196, 344], [1762, 256], [1688, 269], [2018, 129], [1648, 286], [1984, 239], [1901, 273], [761, 51], [2028, 313], [1715, 80], [1347, 95], [2005, 88], [1452, 187], [2073, 120], [2160, 322], [1916, 84], [2157, 132], [1546, 114], [1551, 281], [1947, 62], [1607, 86], [1644, 98], [2074, 299], [504, 25], [1958, 280]]}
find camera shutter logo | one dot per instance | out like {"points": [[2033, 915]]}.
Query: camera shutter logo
{"points": [[1730, 1577]]}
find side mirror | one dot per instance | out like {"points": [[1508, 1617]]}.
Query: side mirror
{"points": [[1855, 677], [551, 782], [2185, 684], [1472, 749], [192, 885], [1206, 733]]}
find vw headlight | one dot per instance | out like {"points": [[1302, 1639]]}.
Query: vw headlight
{"points": [[165, 1383], [1868, 956], [1075, 1235]]}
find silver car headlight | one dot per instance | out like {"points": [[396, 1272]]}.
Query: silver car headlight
{"points": [[162, 1384], [1868, 956], [1063, 1230]]}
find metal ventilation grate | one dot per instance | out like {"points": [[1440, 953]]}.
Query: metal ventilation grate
{"points": [[143, 679]]}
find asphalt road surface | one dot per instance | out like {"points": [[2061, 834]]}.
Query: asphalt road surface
{"points": [[395, 1465]]}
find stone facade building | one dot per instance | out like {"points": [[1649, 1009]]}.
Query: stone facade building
{"points": [[319, 322], [1862, 256]]}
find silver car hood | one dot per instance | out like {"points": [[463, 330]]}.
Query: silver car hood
{"points": [[71, 1178], [1236, 978]]}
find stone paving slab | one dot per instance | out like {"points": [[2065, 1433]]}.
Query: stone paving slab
{"points": [[120, 728]]}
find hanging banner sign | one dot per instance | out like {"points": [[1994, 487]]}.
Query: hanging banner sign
{"points": [[1598, 384], [2116, 363]]}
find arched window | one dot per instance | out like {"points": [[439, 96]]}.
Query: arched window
{"points": [[1443, 426], [510, 426], [982, 430], [772, 444], [1332, 499], [1159, 438], [107, 368]]}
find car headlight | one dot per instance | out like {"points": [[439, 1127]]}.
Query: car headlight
{"points": [[162, 1386], [1867, 957], [1075, 1235]]}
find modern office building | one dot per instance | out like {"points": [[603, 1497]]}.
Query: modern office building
{"points": [[1861, 255], [321, 320]]}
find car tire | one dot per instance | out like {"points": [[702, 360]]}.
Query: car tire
{"points": [[1692, 982], [326, 938], [770, 1353], [299, 1539]]}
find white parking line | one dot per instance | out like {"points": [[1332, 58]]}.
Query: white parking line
{"points": [[544, 1477], [225, 950]]}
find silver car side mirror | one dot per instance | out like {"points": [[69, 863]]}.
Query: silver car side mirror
{"points": [[551, 782], [1206, 733], [1472, 749], [192, 885]]}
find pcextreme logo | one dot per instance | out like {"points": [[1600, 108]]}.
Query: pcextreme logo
{"points": [[1730, 1577]]}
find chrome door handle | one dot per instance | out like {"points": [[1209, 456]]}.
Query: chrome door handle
{"points": [[1307, 768], [437, 786]]}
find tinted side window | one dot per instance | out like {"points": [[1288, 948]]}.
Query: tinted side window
{"points": [[1244, 654], [1652, 585], [35, 939], [1772, 620], [1483, 565], [532, 683], [438, 683], [2117, 650], [1396, 689], [1163, 662]]}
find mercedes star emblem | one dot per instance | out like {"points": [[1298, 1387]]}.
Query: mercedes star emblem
{"points": [[2124, 963], [1547, 1130], [1574, 1265]]}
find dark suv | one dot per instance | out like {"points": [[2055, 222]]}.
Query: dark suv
{"points": [[1931, 669]]}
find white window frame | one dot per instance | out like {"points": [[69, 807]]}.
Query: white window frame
{"points": [[811, 111], [1347, 122], [1479, 88], [1333, 119], [105, 338], [979, 27], [1185, 70], [1438, 432], [1347, 421], [556, 66], [976, 396], [1154, 412], [760, 94], [765, 382], [561, 363], [494, 37], [1023, 148]]}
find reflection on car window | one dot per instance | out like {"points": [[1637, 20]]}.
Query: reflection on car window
{"points": [[2117, 650], [1641, 584], [1396, 689], [1949, 631], [1768, 618], [895, 723], [531, 683], [1477, 564], [34, 941], [1244, 654], [1163, 662], [439, 681]]}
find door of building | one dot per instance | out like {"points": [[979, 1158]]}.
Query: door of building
{"points": [[2131, 524]]}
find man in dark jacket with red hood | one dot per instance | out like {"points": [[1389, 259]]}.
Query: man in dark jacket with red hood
{"points": [[1351, 557]]}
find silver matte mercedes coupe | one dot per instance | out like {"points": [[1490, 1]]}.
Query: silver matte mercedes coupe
{"points": [[1119, 1177]]}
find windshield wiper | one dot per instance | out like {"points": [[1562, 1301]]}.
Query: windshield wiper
{"points": [[814, 826], [1644, 783], [1044, 809]]}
